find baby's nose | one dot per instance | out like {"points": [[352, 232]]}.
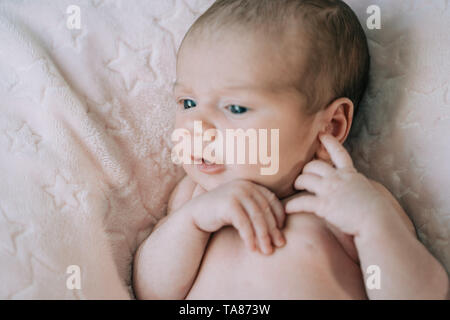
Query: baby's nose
{"points": [[200, 128]]}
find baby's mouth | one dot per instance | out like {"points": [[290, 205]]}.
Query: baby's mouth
{"points": [[203, 160], [206, 161], [208, 167]]}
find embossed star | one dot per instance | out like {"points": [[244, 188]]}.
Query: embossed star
{"points": [[177, 23], [9, 78], [133, 65], [97, 3], [63, 193], [34, 80], [425, 118], [44, 278], [9, 230], [24, 139], [108, 112], [198, 6]]}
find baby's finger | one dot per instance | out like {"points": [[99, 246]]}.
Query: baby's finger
{"points": [[257, 218], [337, 152], [266, 208], [242, 223], [277, 207], [318, 167], [310, 182], [306, 203]]}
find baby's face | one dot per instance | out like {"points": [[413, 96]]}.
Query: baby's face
{"points": [[247, 84]]}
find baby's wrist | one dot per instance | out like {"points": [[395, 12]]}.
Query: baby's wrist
{"points": [[191, 210], [378, 226]]}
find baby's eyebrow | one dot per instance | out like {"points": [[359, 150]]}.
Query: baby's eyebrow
{"points": [[175, 84], [266, 88], [241, 87]]}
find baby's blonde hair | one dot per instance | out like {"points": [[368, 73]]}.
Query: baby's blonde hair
{"points": [[338, 50]]}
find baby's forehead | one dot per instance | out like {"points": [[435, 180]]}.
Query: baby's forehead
{"points": [[288, 54]]}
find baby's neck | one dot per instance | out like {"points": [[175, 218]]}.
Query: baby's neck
{"points": [[286, 193]]}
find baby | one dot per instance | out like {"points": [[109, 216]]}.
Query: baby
{"points": [[316, 229]]}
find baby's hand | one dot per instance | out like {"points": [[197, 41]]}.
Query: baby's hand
{"points": [[341, 195], [250, 208]]}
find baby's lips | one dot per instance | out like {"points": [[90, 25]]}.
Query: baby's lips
{"points": [[193, 158]]}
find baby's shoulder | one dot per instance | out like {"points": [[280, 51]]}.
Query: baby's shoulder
{"points": [[181, 194]]}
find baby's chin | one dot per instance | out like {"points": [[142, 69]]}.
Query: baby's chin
{"points": [[212, 181], [207, 182]]}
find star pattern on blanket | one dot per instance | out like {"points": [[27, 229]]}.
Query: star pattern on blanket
{"points": [[415, 117], [108, 113], [197, 6], [110, 3], [34, 80], [42, 274], [431, 224], [63, 193], [97, 3], [9, 230], [170, 23], [24, 139], [8, 79], [133, 65]]}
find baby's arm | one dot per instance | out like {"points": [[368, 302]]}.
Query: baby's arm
{"points": [[407, 269], [382, 232], [167, 262]]}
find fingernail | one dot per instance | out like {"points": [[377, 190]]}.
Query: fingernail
{"points": [[263, 250], [276, 239], [279, 240], [282, 239]]}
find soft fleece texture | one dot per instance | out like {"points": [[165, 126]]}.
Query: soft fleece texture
{"points": [[86, 116]]}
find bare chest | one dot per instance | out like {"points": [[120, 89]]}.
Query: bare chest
{"points": [[312, 265]]}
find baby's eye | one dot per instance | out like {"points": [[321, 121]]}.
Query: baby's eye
{"points": [[188, 103], [234, 108]]}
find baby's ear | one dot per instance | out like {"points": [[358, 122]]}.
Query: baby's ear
{"points": [[338, 120]]}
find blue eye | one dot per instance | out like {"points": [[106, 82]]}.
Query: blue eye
{"points": [[188, 103], [234, 108]]}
